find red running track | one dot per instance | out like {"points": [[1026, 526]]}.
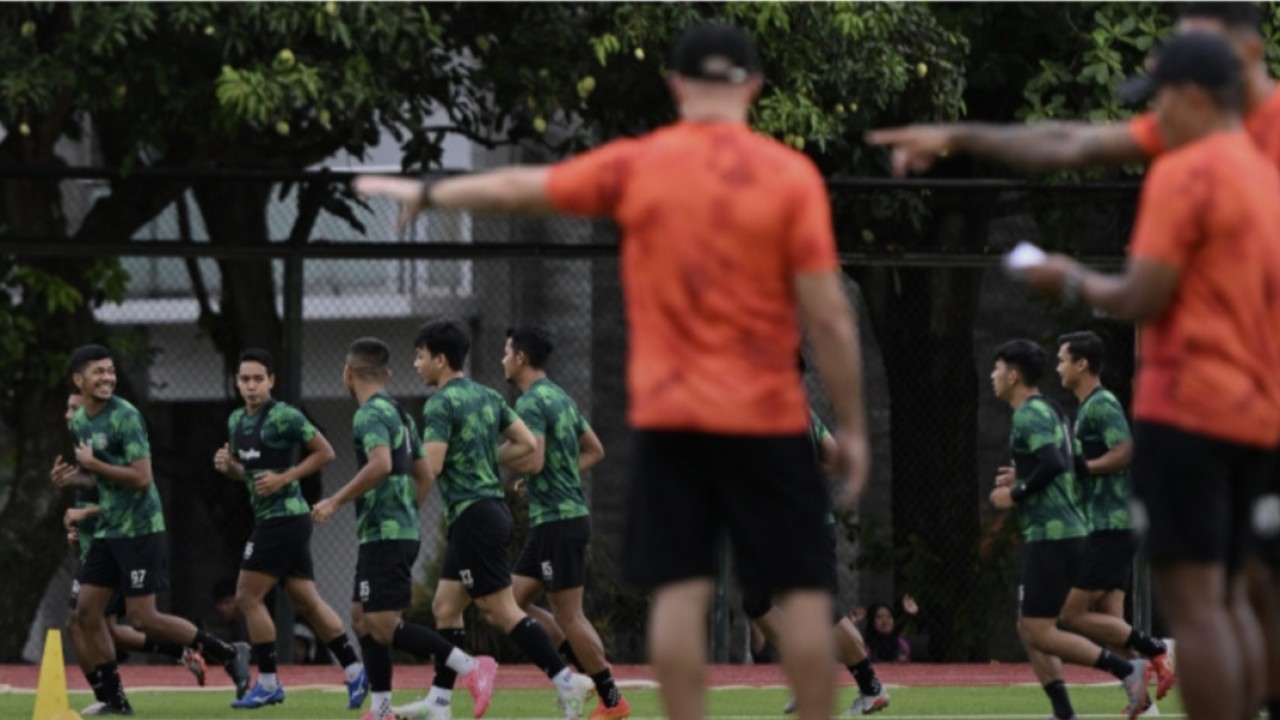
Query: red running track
{"points": [[512, 677]]}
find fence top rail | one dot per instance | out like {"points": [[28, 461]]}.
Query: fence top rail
{"points": [[335, 175]]}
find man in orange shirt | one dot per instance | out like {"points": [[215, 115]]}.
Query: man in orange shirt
{"points": [[727, 239], [1204, 280]]}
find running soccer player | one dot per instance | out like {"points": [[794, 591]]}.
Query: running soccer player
{"points": [[1042, 485], [81, 522], [1204, 265], [850, 647], [463, 424], [727, 246], [262, 437], [554, 558], [128, 550], [1095, 604], [392, 482]]}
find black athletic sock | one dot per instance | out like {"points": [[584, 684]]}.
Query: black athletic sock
{"points": [[1057, 692], [1114, 664], [1273, 708], [377, 663], [533, 640], [342, 651], [606, 688], [421, 641], [446, 677], [96, 684], [264, 656], [865, 676], [1145, 644], [567, 651], [112, 692], [156, 646], [215, 649]]}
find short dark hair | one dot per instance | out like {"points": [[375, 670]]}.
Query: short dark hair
{"points": [[74, 391], [260, 356], [1025, 356], [1086, 345], [534, 341], [1232, 15], [369, 357], [85, 354], [444, 337], [801, 364]]}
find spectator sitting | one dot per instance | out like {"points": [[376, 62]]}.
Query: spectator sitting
{"points": [[884, 634]]}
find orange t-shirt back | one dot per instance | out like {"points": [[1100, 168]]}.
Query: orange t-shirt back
{"points": [[716, 222], [1262, 123], [1210, 364]]}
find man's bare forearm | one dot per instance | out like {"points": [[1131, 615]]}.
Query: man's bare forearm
{"points": [[1046, 146]]}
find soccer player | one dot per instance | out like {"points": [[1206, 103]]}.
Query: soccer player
{"points": [[850, 646], [262, 437], [554, 557], [128, 551], [1058, 145], [392, 482], [1095, 604], [727, 246], [1042, 485], [81, 522], [463, 424], [1202, 279]]}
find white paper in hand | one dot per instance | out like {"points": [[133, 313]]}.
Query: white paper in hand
{"points": [[1023, 256]]}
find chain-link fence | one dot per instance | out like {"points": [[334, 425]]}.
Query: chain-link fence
{"points": [[206, 265]]}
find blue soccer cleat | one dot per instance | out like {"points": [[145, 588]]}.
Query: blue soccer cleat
{"points": [[259, 696], [357, 690]]}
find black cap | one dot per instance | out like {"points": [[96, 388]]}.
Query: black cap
{"points": [[715, 52], [1195, 58]]}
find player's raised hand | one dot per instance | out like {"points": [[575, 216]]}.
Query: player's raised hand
{"points": [[855, 464], [63, 474], [915, 147], [222, 458], [84, 455], [1006, 476], [1001, 498], [406, 190], [322, 511]]}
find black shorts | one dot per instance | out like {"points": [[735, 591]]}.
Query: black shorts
{"points": [[115, 606], [687, 490], [1049, 568], [1108, 561], [756, 605], [1266, 518], [477, 551], [556, 554], [384, 574], [1195, 495], [135, 566], [280, 547]]}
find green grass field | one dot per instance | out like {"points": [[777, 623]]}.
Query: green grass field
{"points": [[957, 703]]}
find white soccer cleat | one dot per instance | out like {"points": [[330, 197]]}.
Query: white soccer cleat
{"points": [[867, 704], [424, 709], [574, 702]]}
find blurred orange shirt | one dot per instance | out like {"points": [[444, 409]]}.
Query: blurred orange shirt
{"points": [[1262, 123], [1210, 364], [716, 222]]}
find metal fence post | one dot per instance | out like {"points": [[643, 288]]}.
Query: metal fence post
{"points": [[292, 392]]}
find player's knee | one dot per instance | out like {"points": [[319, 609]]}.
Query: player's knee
{"points": [[384, 633], [246, 600]]}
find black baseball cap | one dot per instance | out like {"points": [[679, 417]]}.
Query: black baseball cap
{"points": [[1195, 58], [715, 52]]}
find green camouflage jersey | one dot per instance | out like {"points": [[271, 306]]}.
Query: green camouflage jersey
{"points": [[1100, 426], [119, 437], [1052, 513], [817, 433], [265, 442], [470, 418], [556, 492], [389, 511]]}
